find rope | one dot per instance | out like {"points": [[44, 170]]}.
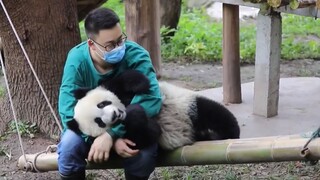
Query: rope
{"points": [[32, 69], [11, 105], [305, 152], [51, 148]]}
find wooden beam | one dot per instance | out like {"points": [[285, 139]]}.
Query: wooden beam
{"points": [[231, 55], [143, 27], [310, 11], [295, 4]]}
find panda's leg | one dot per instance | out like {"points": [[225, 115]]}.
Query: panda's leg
{"points": [[213, 121]]}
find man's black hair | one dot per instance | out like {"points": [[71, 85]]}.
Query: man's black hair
{"points": [[99, 19]]}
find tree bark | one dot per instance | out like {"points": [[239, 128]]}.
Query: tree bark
{"points": [[143, 27], [48, 29], [170, 11]]}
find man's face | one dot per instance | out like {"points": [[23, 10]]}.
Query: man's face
{"points": [[108, 39]]}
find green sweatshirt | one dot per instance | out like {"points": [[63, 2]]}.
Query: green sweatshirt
{"points": [[79, 71]]}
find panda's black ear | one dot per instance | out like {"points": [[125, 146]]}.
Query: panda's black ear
{"points": [[73, 125], [80, 93]]}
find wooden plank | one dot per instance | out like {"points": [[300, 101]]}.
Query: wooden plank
{"points": [[267, 65], [295, 4], [143, 27], [231, 55], [308, 11], [239, 2]]}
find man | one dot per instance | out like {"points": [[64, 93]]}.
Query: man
{"points": [[105, 54]]}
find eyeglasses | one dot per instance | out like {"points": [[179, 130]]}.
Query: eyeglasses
{"points": [[111, 45]]}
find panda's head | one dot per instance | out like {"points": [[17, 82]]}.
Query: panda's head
{"points": [[96, 111]]}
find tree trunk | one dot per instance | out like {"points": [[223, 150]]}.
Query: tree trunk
{"points": [[143, 27], [48, 29], [170, 13]]}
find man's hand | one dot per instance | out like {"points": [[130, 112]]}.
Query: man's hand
{"points": [[100, 148], [122, 148]]}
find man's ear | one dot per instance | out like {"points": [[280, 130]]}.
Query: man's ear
{"points": [[90, 43], [80, 93]]}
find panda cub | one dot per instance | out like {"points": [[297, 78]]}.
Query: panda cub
{"points": [[185, 116], [98, 109]]}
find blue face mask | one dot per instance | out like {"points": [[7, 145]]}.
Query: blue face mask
{"points": [[115, 55]]}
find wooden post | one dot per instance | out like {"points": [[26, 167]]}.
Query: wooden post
{"points": [[267, 65], [143, 27], [231, 55]]}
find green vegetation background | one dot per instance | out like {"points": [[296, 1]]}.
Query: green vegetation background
{"points": [[198, 37]]}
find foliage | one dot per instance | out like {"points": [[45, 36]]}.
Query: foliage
{"points": [[2, 91], [25, 128], [301, 37], [198, 38]]}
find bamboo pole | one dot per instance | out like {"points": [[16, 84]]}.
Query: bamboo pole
{"points": [[235, 151]]}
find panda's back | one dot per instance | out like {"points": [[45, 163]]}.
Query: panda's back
{"points": [[176, 126]]}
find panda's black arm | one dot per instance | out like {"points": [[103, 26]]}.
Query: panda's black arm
{"points": [[139, 128], [129, 82], [73, 126]]}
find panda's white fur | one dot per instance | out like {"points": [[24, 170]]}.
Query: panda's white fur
{"points": [[176, 126], [86, 111]]}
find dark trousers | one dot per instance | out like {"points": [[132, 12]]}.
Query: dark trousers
{"points": [[72, 152]]}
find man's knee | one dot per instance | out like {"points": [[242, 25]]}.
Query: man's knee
{"points": [[72, 151], [143, 164]]}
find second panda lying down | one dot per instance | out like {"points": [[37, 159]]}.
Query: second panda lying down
{"points": [[185, 116]]}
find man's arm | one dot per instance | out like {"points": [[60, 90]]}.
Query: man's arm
{"points": [[152, 101], [70, 81]]}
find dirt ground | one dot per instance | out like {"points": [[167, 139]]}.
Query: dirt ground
{"points": [[193, 76]]}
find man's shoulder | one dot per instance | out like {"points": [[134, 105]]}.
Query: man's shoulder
{"points": [[78, 54], [134, 49], [79, 49]]}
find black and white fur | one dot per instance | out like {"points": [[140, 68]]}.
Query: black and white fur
{"points": [[97, 110], [185, 116]]}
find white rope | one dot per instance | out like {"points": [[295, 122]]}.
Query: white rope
{"points": [[32, 69], [11, 104]]}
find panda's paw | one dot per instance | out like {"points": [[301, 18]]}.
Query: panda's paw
{"points": [[136, 117]]}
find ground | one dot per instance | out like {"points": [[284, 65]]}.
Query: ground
{"points": [[193, 76]]}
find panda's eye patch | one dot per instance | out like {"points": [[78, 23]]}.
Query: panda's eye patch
{"points": [[103, 104], [100, 122]]}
